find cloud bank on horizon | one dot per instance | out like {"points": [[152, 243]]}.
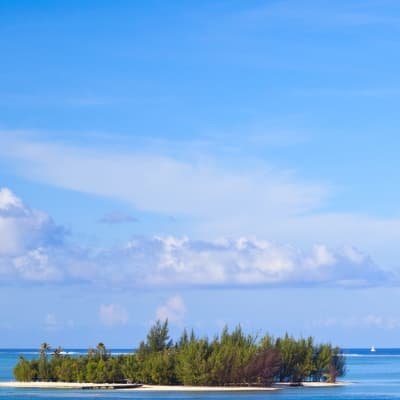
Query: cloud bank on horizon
{"points": [[34, 249], [214, 196]]}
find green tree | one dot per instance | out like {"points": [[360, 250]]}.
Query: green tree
{"points": [[337, 365], [131, 367], [321, 362], [114, 369], [101, 372], [158, 338], [44, 370], [91, 371], [229, 355], [102, 352], [23, 371], [229, 359], [192, 361], [66, 370]]}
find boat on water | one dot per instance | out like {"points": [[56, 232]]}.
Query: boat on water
{"points": [[373, 349]]}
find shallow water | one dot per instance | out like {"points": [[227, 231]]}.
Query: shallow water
{"points": [[374, 376]]}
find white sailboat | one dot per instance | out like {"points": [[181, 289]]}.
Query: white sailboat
{"points": [[373, 349]]}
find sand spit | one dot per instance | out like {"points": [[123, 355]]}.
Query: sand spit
{"points": [[66, 385], [163, 388], [181, 388]]}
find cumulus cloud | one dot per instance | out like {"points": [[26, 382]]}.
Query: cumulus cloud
{"points": [[250, 261], [27, 239], [36, 265], [174, 262], [22, 228], [10, 205], [113, 314], [174, 310], [35, 256]]}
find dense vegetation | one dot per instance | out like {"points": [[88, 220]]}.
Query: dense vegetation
{"points": [[232, 358]]}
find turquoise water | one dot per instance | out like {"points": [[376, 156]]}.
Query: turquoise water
{"points": [[374, 376]]}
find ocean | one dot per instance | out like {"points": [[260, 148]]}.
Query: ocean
{"points": [[373, 376]]}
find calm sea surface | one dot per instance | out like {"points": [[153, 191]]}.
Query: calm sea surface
{"points": [[374, 376]]}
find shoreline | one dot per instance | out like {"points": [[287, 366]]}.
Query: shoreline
{"points": [[163, 388], [288, 385]]}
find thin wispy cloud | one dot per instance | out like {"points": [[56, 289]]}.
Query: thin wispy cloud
{"points": [[202, 188], [117, 217]]}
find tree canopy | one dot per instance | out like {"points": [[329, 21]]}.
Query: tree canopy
{"points": [[231, 358]]}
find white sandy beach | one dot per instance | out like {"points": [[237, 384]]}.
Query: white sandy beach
{"points": [[277, 386], [49, 385], [158, 388], [167, 388], [283, 385], [163, 388]]}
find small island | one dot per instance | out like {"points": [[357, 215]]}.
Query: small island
{"points": [[231, 360]]}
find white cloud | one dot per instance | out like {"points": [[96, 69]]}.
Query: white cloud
{"points": [[200, 187], [35, 265], [10, 205], [21, 228], [113, 314], [250, 261], [210, 197], [27, 237], [171, 261], [174, 310]]}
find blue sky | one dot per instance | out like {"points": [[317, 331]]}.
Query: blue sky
{"points": [[215, 162]]}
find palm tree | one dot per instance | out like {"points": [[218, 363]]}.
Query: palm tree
{"points": [[44, 348], [58, 351], [102, 350], [44, 371]]}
